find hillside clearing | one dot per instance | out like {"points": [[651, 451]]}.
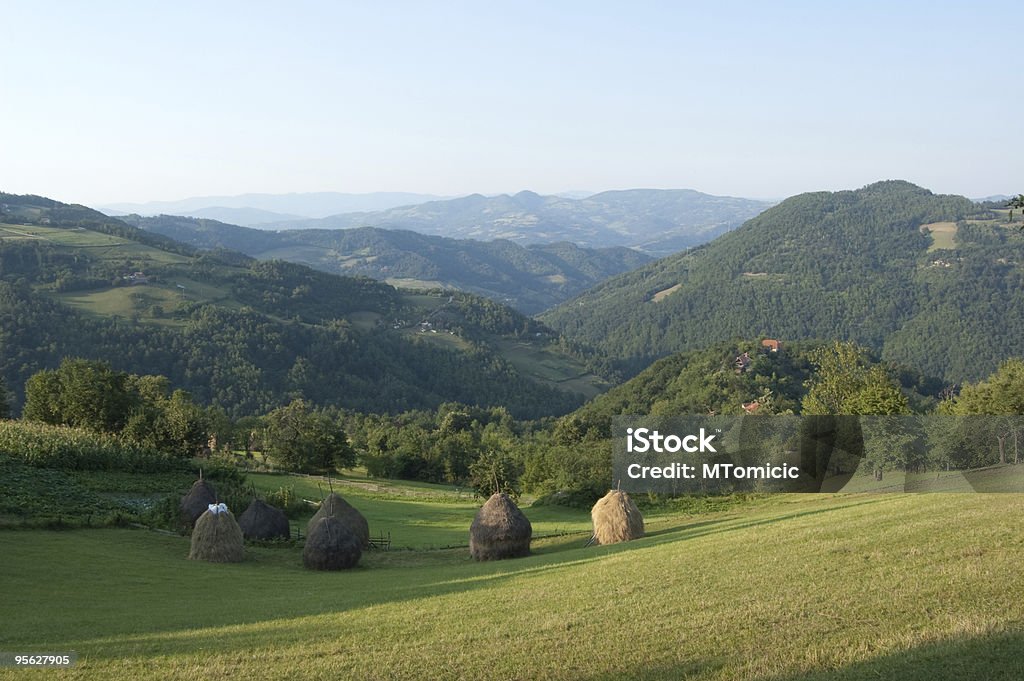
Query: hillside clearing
{"points": [[559, 371], [665, 293], [943, 235]]}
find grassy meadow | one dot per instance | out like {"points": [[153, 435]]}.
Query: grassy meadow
{"points": [[780, 588], [943, 235], [418, 515]]}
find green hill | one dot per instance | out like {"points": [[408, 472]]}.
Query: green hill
{"points": [[248, 336], [528, 278], [926, 280]]}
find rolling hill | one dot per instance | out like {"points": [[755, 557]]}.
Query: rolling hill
{"points": [[929, 281], [653, 220], [248, 336], [529, 278]]}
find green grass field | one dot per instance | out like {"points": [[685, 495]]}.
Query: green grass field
{"points": [[122, 301], [557, 370], [423, 516], [943, 235], [125, 301], [414, 284], [99, 245], [63, 237], [788, 588]]}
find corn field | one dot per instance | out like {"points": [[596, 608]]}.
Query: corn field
{"points": [[46, 446]]}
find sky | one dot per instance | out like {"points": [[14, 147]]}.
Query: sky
{"points": [[104, 102]]}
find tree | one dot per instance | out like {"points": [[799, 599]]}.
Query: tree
{"points": [[5, 405], [167, 421], [1000, 395], [248, 432], [305, 440], [1015, 202], [845, 385], [82, 393], [495, 472], [844, 382]]}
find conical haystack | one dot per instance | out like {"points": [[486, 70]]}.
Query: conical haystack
{"points": [[217, 538], [263, 521], [500, 530], [195, 503], [335, 506], [616, 518], [331, 545]]}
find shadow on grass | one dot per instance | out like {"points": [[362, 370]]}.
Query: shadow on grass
{"points": [[991, 657]]}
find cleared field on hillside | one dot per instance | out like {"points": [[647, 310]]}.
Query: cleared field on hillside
{"points": [[665, 293], [415, 284], [64, 237], [124, 301], [96, 244], [558, 370], [943, 235], [800, 588]]}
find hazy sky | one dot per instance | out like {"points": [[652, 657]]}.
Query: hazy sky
{"points": [[135, 101]]}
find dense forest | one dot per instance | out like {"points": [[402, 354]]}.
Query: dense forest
{"points": [[246, 336], [569, 459], [529, 278], [930, 281]]}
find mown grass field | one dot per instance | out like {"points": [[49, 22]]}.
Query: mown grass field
{"points": [[787, 588], [422, 516]]}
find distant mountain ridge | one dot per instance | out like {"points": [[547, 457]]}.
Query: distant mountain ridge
{"points": [[657, 221], [256, 209], [530, 278], [930, 281]]}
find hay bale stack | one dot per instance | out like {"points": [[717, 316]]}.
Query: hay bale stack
{"points": [[217, 538], [195, 503], [336, 507], [616, 518], [331, 545], [499, 530], [263, 521]]}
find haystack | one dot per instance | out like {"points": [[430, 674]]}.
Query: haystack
{"points": [[331, 545], [616, 518], [195, 503], [263, 521], [499, 530], [217, 537], [336, 507]]}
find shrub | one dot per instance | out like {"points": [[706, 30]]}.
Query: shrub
{"points": [[288, 501]]}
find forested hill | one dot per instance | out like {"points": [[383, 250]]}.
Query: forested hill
{"points": [[250, 336], [529, 278], [710, 381], [657, 221], [927, 280]]}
